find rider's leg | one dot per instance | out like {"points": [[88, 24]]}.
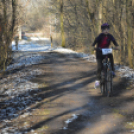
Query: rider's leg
{"points": [[99, 67], [99, 58], [112, 61]]}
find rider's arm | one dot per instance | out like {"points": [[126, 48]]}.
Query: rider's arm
{"points": [[95, 42], [115, 43]]}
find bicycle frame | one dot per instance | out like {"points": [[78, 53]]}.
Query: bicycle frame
{"points": [[106, 84], [107, 78]]}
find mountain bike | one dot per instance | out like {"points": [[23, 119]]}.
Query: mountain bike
{"points": [[106, 82]]}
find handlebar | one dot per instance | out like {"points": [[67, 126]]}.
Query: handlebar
{"points": [[100, 49], [114, 48]]}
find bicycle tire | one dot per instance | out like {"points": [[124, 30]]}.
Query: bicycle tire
{"points": [[111, 85], [103, 81], [109, 89], [102, 87]]}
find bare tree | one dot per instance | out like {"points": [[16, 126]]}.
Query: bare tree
{"points": [[8, 22], [129, 31]]}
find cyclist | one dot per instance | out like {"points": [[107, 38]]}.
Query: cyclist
{"points": [[103, 40]]}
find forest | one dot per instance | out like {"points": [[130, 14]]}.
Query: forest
{"points": [[71, 24], [79, 23]]}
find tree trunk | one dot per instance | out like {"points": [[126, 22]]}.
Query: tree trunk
{"points": [[123, 32], [129, 33], [14, 7], [7, 31], [99, 15], [90, 23], [104, 10], [62, 23]]}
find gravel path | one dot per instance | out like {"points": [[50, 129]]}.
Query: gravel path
{"points": [[53, 93]]}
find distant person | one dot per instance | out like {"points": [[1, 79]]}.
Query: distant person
{"points": [[23, 33], [51, 39], [16, 42], [103, 40]]}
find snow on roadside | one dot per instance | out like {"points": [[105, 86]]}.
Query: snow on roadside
{"points": [[132, 131], [30, 46], [125, 71], [29, 59], [64, 50], [26, 61], [88, 57], [35, 47], [35, 38], [74, 117], [16, 98], [17, 92], [26, 46], [20, 42]]}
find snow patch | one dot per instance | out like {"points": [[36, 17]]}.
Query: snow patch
{"points": [[132, 131], [31, 47], [88, 57], [26, 61], [125, 71], [63, 50], [36, 39], [74, 117]]}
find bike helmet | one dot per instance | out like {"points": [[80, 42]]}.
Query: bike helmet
{"points": [[104, 26]]}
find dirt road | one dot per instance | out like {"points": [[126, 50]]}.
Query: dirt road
{"points": [[64, 101]]}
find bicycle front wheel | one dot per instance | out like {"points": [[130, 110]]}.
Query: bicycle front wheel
{"points": [[109, 88], [103, 88]]}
